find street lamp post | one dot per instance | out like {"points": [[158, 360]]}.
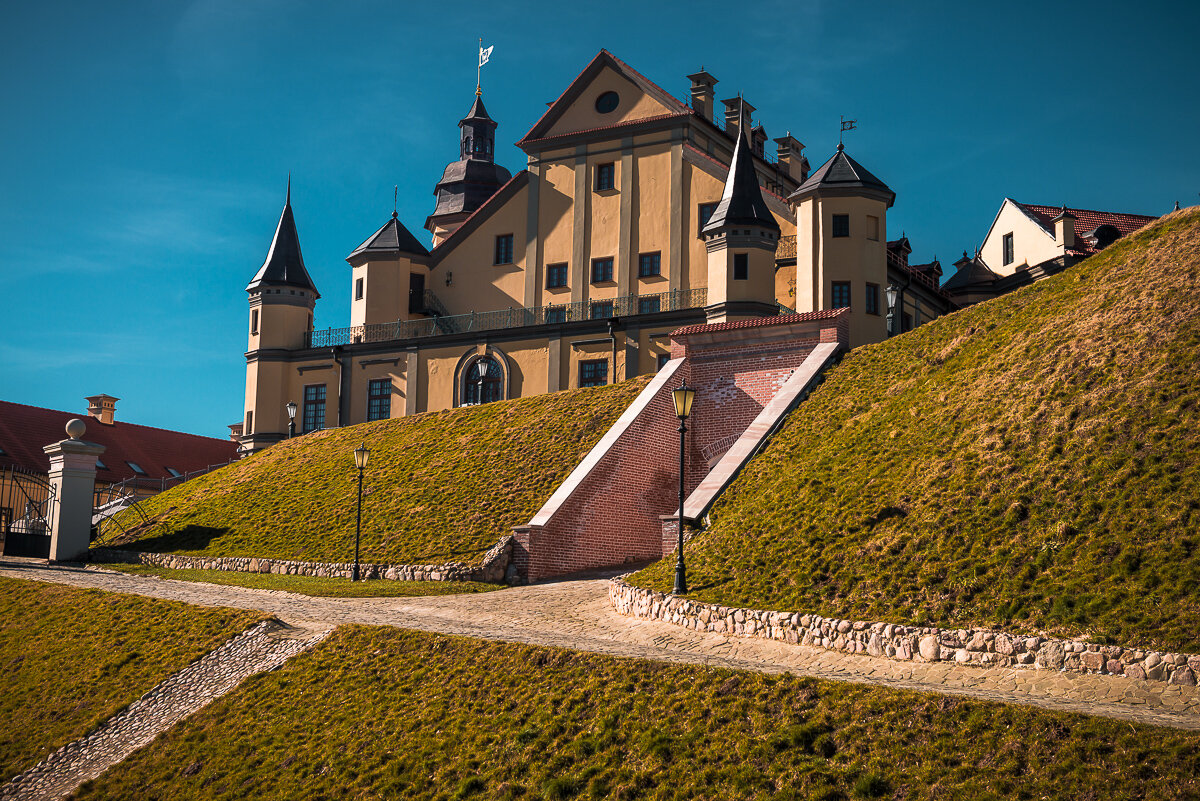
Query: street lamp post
{"points": [[892, 292], [360, 461], [291, 410], [683, 397], [481, 371]]}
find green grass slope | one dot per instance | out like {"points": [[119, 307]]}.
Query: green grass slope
{"points": [[1032, 462], [70, 659], [438, 487], [385, 713]]}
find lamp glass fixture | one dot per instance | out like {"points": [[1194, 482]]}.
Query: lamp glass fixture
{"points": [[891, 293], [683, 397], [360, 456], [291, 410]]}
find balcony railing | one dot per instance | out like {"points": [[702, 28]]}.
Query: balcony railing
{"points": [[787, 247], [436, 325]]}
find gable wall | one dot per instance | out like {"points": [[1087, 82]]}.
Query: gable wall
{"points": [[1031, 243]]}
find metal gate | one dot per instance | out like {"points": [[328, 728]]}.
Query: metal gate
{"points": [[26, 499]]}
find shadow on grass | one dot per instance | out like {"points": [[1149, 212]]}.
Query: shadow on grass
{"points": [[189, 538]]}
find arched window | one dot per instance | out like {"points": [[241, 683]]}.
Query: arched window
{"points": [[482, 382]]}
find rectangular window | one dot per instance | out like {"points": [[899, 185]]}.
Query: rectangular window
{"points": [[649, 305], [649, 264], [358, 289], [416, 293], [605, 176], [254, 321], [704, 213], [556, 275], [558, 315], [841, 294], [1008, 249], [872, 228], [248, 429], [741, 266], [593, 373], [504, 249], [841, 225], [314, 408], [663, 358], [872, 299], [602, 311], [379, 399], [601, 270]]}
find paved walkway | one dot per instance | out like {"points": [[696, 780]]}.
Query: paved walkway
{"points": [[577, 615], [263, 647]]}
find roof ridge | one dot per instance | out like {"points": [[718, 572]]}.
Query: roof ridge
{"points": [[123, 423]]}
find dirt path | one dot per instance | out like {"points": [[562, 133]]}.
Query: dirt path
{"points": [[577, 615]]}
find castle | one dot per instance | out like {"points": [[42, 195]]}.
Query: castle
{"points": [[637, 213]]}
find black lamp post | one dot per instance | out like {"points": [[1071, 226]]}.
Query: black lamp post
{"points": [[360, 461], [892, 292], [481, 367], [291, 410], [683, 397]]}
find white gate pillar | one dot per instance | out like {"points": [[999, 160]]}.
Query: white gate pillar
{"points": [[73, 478]]}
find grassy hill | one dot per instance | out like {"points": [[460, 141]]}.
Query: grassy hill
{"points": [[439, 487], [70, 659], [1032, 462], [386, 713]]}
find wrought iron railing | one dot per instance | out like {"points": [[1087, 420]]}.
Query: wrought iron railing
{"points": [[597, 309], [787, 247]]}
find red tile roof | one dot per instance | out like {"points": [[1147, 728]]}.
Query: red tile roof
{"points": [[25, 430], [758, 322], [1086, 220]]}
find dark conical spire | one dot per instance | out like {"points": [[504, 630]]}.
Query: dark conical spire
{"points": [[285, 264], [843, 175], [478, 137], [742, 201], [467, 183]]}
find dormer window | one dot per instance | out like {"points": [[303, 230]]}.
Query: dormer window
{"points": [[135, 467], [175, 473]]}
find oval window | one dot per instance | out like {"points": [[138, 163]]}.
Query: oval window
{"points": [[607, 102]]}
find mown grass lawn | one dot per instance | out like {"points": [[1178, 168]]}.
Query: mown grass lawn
{"points": [[70, 659], [309, 585], [386, 713], [439, 487], [1032, 463]]}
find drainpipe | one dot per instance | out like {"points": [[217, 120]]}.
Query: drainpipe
{"points": [[336, 351], [612, 338]]}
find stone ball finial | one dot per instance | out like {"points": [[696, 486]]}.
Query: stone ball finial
{"points": [[76, 428]]}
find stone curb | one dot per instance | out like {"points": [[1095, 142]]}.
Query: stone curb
{"points": [[493, 570], [979, 647]]}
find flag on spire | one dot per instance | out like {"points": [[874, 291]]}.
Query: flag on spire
{"points": [[485, 53]]}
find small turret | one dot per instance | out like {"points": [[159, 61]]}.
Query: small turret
{"points": [[467, 183], [741, 238]]}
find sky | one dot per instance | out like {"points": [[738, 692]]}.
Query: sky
{"points": [[145, 147]]}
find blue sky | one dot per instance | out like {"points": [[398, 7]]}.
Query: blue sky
{"points": [[145, 146]]}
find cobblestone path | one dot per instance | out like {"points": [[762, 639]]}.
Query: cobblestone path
{"points": [[577, 615], [263, 647]]}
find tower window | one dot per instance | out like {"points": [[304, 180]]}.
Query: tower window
{"points": [[649, 264], [872, 228], [605, 176], [379, 399], [841, 294], [872, 299], [314, 408], [593, 373], [602, 270], [248, 429], [741, 266], [358, 289], [1008, 249], [841, 225], [704, 213], [254, 321], [504, 249], [556, 275]]}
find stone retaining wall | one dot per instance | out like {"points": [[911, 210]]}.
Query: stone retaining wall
{"points": [[493, 570], [982, 647]]}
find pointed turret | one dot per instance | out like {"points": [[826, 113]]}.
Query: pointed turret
{"points": [[741, 238], [285, 264], [467, 183], [843, 175]]}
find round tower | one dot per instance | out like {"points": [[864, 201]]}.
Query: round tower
{"points": [[841, 245]]}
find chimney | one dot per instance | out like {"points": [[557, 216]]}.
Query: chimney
{"points": [[702, 93], [1064, 229], [788, 150], [731, 114], [102, 408], [235, 432]]}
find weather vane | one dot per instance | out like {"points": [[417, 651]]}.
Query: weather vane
{"points": [[847, 125], [484, 54]]}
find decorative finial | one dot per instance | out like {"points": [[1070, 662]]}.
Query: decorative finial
{"points": [[1176, 205], [288, 200], [395, 199], [76, 428]]}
